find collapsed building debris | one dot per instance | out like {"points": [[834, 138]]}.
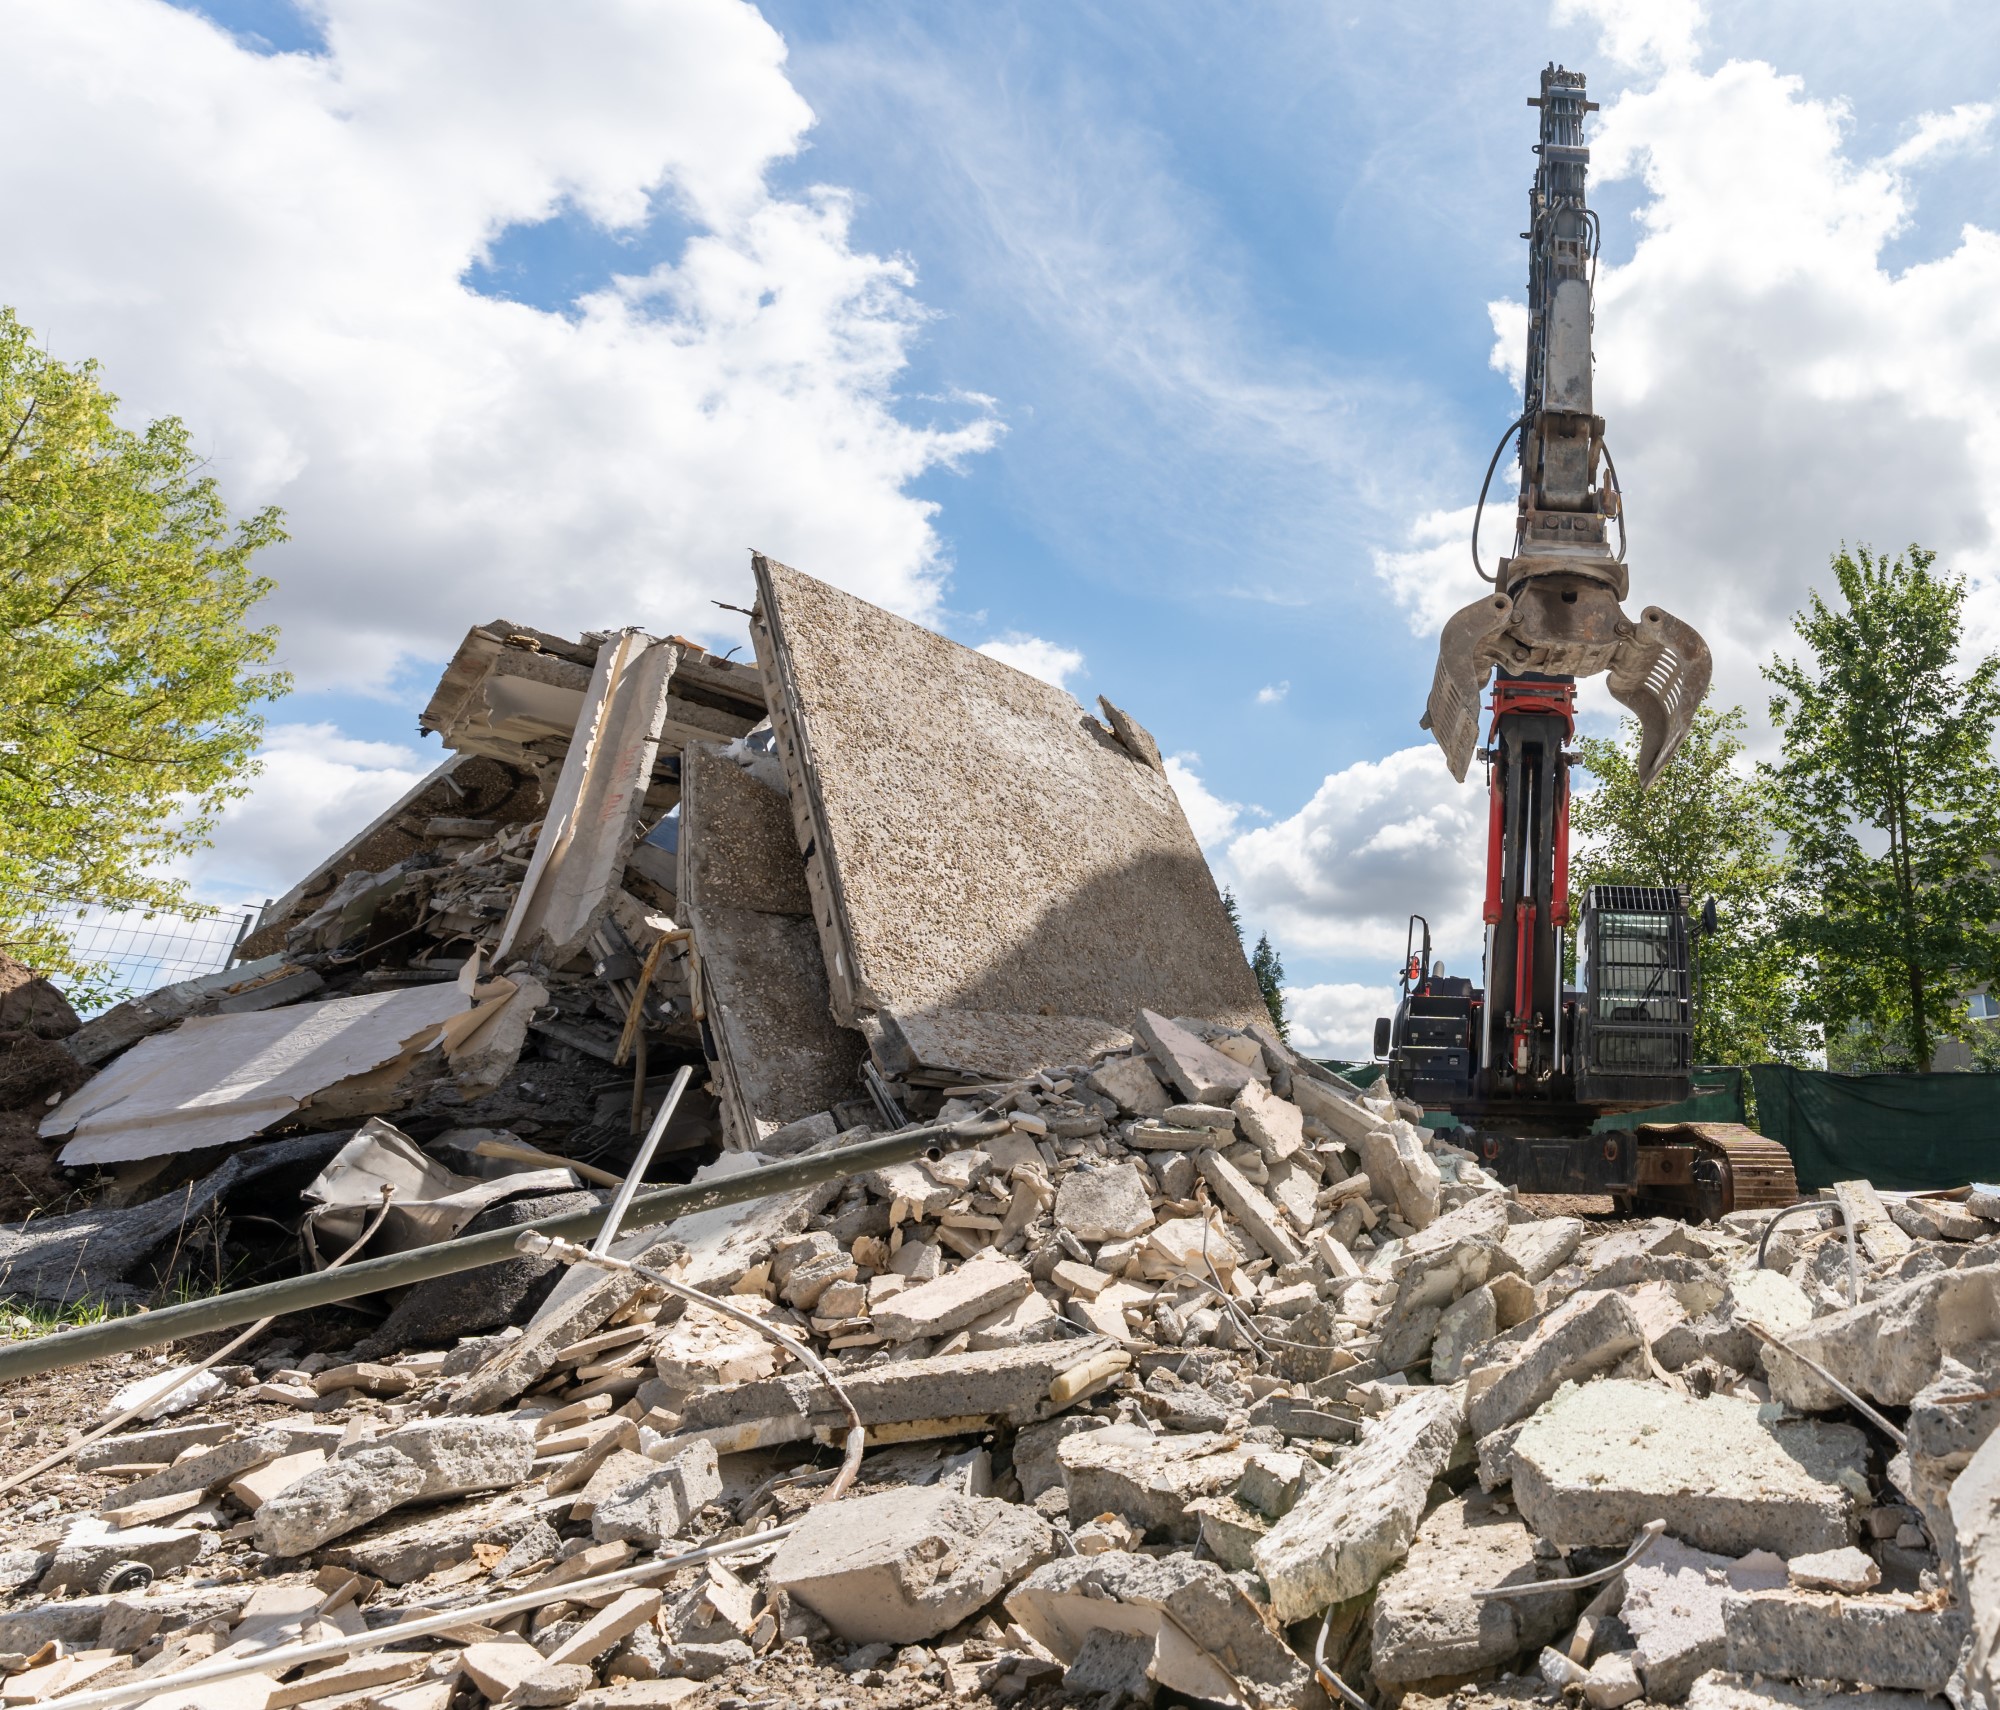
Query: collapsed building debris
{"points": [[1180, 1364]]}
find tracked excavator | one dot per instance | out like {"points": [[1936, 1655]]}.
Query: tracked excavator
{"points": [[1528, 1064]]}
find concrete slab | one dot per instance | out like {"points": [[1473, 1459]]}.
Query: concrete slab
{"points": [[1890, 1347], [1355, 1525], [1599, 1461], [1673, 1610], [1150, 1480], [1906, 1644], [905, 1565], [1427, 1624], [1087, 898]]}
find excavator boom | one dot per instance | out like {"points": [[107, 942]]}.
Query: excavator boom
{"points": [[1556, 609]]}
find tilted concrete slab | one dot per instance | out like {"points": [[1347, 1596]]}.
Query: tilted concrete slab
{"points": [[779, 1053], [991, 867]]}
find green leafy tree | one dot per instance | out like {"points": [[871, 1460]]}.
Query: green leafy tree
{"points": [[1231, 908], [1889, 797], [1704, 824], [130, 680], [1269, 968]]}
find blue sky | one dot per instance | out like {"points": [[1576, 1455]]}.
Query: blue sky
{"points": [[1160, 338]]}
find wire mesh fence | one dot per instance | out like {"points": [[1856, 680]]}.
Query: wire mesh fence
{"points": [[140, 951]]}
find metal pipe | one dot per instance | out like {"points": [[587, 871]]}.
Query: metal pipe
{"points": [[622, 1200], [399, 1270]]}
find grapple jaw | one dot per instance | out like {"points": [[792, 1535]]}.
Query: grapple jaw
{"points": [[1567, 624]]}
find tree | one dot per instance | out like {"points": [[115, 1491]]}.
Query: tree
{"points": [[1269, 968], [1888, 793], [1704, 824], [129, 683], [1231, 908]]}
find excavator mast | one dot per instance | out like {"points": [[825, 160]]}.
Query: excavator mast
{"points": [[1528, 1064]]}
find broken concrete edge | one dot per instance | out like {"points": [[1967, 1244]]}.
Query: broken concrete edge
{"points": [[67, 1348]]}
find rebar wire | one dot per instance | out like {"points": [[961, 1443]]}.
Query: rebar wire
{"points": [[1812, 1365], [1323, 1669], [287, 1657], [1833, 1205], [99, 1433], [569, 1253], [1649, 1535]]}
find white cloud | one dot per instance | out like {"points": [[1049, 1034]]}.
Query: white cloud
{"points": [[317, 789], [1509, 355], [1039, 658], [1272, 693], [1337, 1020], [1379, 840], [1432, 577], [1961, 130], [1212, 819], [274, 247], [1640, 34]]}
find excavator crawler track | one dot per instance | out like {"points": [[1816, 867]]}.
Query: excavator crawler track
{"points": [[1705, 1170]]}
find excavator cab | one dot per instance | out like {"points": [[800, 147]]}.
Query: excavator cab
{"points": [[1632, 1016]]}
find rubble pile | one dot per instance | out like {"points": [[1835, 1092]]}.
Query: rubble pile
{"points": [[1180, 1365]]}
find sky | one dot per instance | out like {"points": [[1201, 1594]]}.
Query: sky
{"points": [[1157, 351]]}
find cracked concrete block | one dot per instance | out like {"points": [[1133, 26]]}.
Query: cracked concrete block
{"points": [[1231, 1530], [1847, 1569], [1720, 1690], [1112, 1662], [976, 1289], [212, 1468], [413, 1547], [342, 1496], [1035, 1463], [1399, 1167], [1426, 1621], [458, 1456], [1890, 1347], [1542, 1247], [1209, 1640], [1202, 1073], [1612, 1681], [1256, 1214], [1104, 1202], [1598, 1462], [1463, 1329], [905, 1565], [1673, 1610], [1274, 1125], [1131, 1084], [1897, 1642], [1587, 1334], [1355, 1525], [658, 1505], [1125, 1469]]}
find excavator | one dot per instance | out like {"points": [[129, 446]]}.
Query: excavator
{"points": [[1529, 1065]]}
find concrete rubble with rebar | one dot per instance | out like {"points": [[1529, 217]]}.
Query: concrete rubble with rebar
{"points": [[1204, 1372]]}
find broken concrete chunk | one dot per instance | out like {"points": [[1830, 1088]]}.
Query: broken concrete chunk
{"points": [[1673, 1610], [1275, 1125], [457, 1456], [1897, 1642], [341, 1497], [1202, 1073], [1611, 1681], [1427, 1623], [1589, 1333], [1835, 1570], [903, 1566], [1125, 1469], [977, 1289], [1107, 1202], [1974, 1507], [658, 1505], [1354, 1526], [1209, 1640], [1462, 1328], [1890, 1347], [1542, 1247], [1718, 1690], [406, 1548], [1400, 1167], [1131, 1084], [1249, 1207], [1598, 1462], [1211, 1116]]}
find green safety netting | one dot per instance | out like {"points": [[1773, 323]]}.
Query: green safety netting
{"points": [[1717, 1097], [1897, 1131]]}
